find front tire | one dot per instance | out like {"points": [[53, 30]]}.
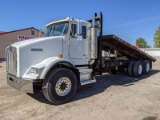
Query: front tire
{"points": [[60, 86]]}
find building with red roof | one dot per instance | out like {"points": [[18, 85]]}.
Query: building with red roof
{"points": [[1, 32], [7, 38]]}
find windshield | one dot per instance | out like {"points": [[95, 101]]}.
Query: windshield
{"points": [[57, 29]]}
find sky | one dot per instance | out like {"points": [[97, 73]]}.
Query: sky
{"points": [[128, 19]]}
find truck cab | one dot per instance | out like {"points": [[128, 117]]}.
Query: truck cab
{"points": [[75, 34]]}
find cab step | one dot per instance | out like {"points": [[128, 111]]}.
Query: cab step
{"points": [[85, 76], [85, 82]]}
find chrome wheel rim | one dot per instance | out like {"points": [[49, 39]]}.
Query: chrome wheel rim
{"points": [[147, 67], [140, 69], [63, 86]]}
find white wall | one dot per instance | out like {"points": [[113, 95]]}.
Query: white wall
{"points": [[152, 51]]}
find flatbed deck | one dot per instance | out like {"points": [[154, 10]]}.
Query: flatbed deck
{"points": [[112, 42]]}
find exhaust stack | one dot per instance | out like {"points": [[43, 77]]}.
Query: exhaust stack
{"points": [[95, 50], [94, 43]]}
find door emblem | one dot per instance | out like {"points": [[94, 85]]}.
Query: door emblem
{"points": [[79, 38]]}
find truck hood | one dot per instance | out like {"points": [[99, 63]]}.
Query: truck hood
{"points": [[33, 51], [35, 40]]}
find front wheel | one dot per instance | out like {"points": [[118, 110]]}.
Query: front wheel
{"points": [[60, 86]]}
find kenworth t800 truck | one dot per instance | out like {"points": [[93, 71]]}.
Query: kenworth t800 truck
{"points": [[71, 55]]}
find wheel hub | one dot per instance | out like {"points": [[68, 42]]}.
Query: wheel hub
{"points": [[140, 69], [63, 86]]}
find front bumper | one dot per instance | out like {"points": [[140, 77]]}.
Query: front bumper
{"points": [[20, 84]]}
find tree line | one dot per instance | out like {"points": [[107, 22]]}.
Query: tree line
{"points": [[142, 43]]}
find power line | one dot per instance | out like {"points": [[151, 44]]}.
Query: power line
{"points": [[137, 31], [135, 22]]}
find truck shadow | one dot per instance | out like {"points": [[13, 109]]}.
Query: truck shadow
{"points": [[103, 82], [0, 65], [106, 81]]}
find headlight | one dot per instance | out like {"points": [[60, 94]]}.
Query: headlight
{"points": [[34, 70]]}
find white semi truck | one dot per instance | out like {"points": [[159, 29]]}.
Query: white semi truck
{"points": [[71, 55]]}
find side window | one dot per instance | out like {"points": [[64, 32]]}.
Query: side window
{"points": [[84, 32], [32, 32], [73, 29]]}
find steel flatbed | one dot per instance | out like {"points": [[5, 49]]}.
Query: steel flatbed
{"points": [[112, 42]]}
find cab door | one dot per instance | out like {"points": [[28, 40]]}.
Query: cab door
{"points": [[78, 43]]}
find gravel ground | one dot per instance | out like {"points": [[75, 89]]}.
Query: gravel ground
{"points": [[113, 97]]}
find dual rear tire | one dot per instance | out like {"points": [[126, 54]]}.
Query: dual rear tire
{"points": [[146, 67], [138, 68]]}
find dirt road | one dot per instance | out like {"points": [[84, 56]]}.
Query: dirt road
{"points": [[113, 97]]}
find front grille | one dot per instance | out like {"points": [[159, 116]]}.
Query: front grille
{"points": [[11, 60]]}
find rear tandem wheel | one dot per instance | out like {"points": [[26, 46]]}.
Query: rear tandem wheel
{"points": [[137, 68]]}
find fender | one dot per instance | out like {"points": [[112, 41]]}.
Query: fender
{"points": [[45, 66], [51, 62]]}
